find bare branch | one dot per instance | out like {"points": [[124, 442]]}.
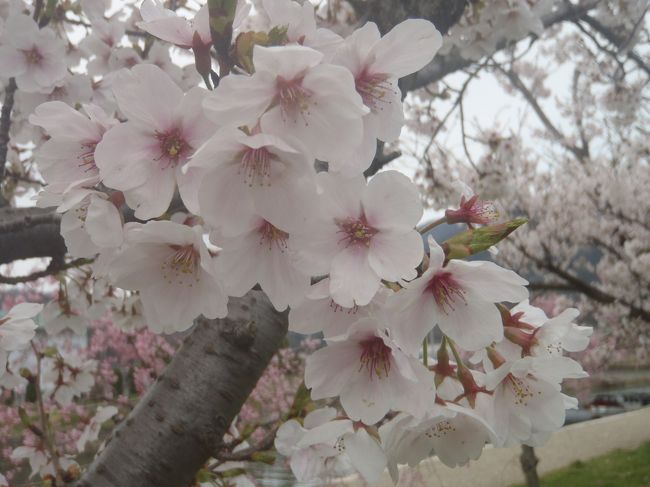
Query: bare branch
{"points": [[54, 268], [616, 40], [580, 152]]}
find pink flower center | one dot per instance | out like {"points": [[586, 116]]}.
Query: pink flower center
{"points": [[375, 357], [182, 266], [294, 99], [446, 291], [87, 157], [33, 56], [273, 236], [356, 231], [374, 90], [172, 147], [256, 166]]}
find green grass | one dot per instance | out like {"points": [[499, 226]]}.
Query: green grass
{"points": [[617, 469]]}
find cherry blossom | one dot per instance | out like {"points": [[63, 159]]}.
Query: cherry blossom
{"points": [[459, 297], [143, 157], [293, 92], [17, 327], [68, 376], [326, 446], [38, 460], [319, 313], [527, 397], [67, 159], [370, 374], [239, 176], [377, 63], [264, 254], [92, 225], [301, 25], [33, 56], [91, 431], [59, 316], [188, 33], [174, 271], [365, 233]]}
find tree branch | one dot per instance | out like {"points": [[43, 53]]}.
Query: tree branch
{"points": [[580, 152], [179, 424], [30, 232], [5, 125], [53, 268], [380, 160], [616, 40], [441, 66], [582, 286]]}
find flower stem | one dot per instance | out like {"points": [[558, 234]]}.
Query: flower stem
{"points": [[45, 426], [427, 228]]}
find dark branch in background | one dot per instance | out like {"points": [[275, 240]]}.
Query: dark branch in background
{"points": [[380, 160], [30, 232], [179, 424], [441, 66], [53, 268], [619, 42], [388, 13], [581, 153], [574, 283], [5, 125]]}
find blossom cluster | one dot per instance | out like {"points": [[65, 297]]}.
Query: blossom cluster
{"points": [[183, 188]]}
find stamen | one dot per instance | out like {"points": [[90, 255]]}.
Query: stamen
{"points": [[446, 291], [336, 307], [355, 231], [374, 90], [270, 235], [440, 430], [182, 265], [375, 357], [295, 100], [33, 55], [256, 166], [87, 157], [172, 147], [521, 390]]}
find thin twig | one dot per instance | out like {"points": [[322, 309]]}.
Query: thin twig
{"points": [[45, 425], [53, 268]]}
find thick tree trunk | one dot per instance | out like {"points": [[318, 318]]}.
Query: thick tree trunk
{"points": [[180, 422], [529, 465]]}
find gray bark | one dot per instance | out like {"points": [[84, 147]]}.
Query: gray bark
{"points": [[180, 422], [30, 232], [529, 465]]}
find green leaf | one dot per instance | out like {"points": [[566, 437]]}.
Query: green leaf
{"points": [[477, 240]]}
